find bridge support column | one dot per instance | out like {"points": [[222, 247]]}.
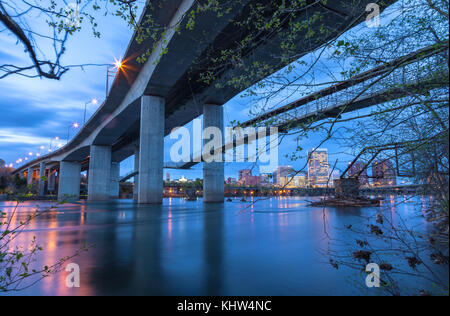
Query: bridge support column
{"points": [[69, 181], [51, 181], [115, 178], [136, 177], [151, 155], [99, 173], [213, 172], [30, 176], [41, 181]]}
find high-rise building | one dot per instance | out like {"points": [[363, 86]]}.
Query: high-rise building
{"points": [[295, 180], [383, 174], [168, 177], [318, 168], [264, 180], [247, 179], [359, 168], [281, 172]]}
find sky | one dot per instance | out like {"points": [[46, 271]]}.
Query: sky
{"points": [[34, 111]]}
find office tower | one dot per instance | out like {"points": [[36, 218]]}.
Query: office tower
{"points": [[318, 168], [281, 172]]}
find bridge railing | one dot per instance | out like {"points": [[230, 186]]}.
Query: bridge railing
{"points": [[405, 76]]}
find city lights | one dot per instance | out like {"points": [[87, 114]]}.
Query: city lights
{"points": [[236, 155], [118, 64], [94, 101]]}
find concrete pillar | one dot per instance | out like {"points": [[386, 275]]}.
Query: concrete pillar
{"points": [[114, 182], [69, 181], [136, 177], [51, 180], [99, 173], [213, 172], [30, 176], [41, 180], [151, 155]]}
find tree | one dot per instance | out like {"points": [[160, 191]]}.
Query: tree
{"points": [[408, 126], [17, 268], [58, 22]]}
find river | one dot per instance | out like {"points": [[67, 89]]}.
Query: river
{"points": [[275, 246]]}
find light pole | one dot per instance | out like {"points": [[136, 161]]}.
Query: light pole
{"points": [[93, 101], [51, 140], [111, 72], [75, 126]]}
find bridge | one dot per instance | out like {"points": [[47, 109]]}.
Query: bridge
{"points": [[334, 101], [148, 100]]}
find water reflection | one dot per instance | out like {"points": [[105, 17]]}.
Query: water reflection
{"points": [[213, 241], [188, 248]]}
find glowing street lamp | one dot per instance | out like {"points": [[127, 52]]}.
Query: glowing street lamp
{"points": [[94, 101], [74, 126], [118, 64], [51, 140], [111, 72]]}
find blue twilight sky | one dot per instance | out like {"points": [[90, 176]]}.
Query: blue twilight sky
{"points": [[34, 111]]}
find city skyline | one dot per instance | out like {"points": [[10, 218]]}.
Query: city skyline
{"points": [[383, 174]]}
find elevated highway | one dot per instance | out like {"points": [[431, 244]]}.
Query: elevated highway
{"points": [[147, 100]]}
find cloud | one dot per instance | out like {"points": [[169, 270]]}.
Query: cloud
{"points": [[34, 110]]}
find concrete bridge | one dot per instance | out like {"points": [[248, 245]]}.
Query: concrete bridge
{"points": [[148, 100]]}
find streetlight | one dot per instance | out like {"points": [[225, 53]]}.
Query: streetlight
{"points": [[74, 126], [93, 101], [51, 140], [111, 71]]}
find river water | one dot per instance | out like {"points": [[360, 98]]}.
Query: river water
{"points": [[276, 246]]}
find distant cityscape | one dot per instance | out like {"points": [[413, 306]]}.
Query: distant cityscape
{"points": [[319, 174]]}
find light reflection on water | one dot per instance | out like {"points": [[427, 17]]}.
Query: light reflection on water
{"points": [[188, 248]]}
